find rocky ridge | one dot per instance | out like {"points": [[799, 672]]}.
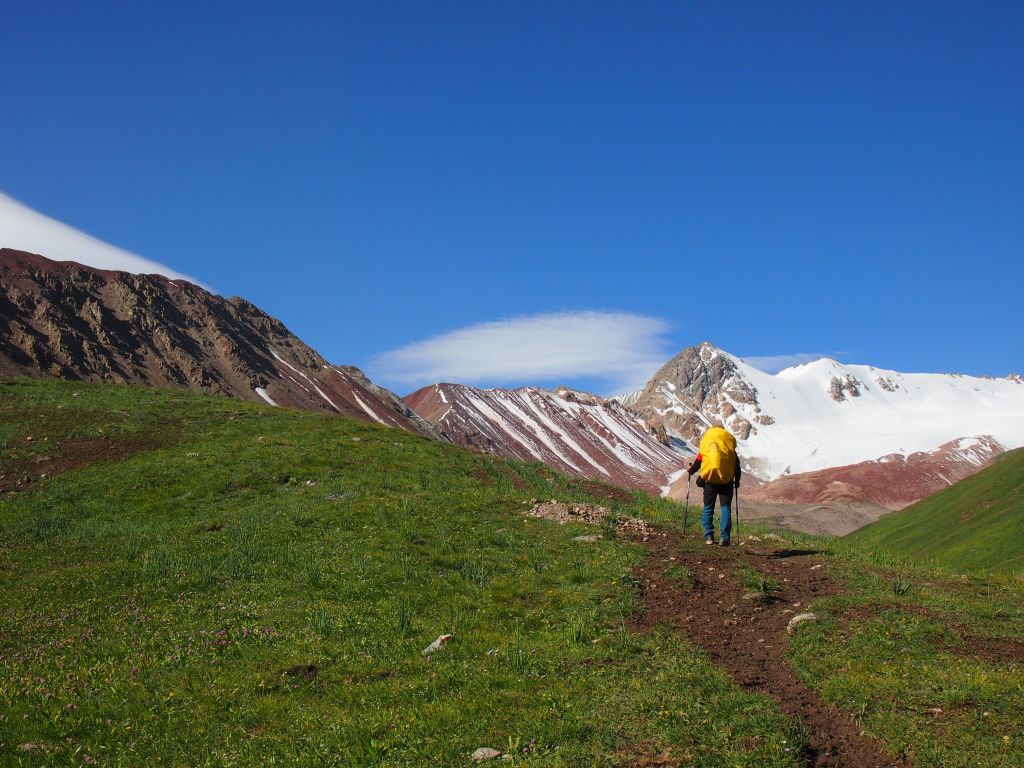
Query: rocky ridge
{"points": [[71, 321], [574, 432], [696, 389]]}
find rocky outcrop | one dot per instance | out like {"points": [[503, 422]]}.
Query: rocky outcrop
{"points": [[841, 386], [71, 321], [574, 432], [698, 388]]}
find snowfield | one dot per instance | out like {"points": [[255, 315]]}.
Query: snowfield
{"points": [[828, 414]]}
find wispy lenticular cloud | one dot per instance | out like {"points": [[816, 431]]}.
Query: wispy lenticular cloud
{"points": [[25, 229], [618, 349]]}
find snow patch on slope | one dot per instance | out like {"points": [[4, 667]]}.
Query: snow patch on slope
{"points": [[572, 431], [368, 410], [263, 393], [878, 412]]}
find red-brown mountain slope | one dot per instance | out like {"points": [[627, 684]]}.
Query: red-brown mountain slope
{"points": [[68, 320], [571, 431]]}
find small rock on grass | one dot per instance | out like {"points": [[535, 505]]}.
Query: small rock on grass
{"points": [[799, 619], [437, 644], [485, 753], [589, 538]]}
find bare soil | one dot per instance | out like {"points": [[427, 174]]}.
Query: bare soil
{"points": [[747, 637], [966, 642], [593, 514], [19, 475]]}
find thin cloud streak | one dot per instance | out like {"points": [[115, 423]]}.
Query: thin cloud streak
{"points": [[25, 229], [619, 349]]}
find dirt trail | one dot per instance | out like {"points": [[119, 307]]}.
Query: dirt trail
{"points": [[747, 637]]}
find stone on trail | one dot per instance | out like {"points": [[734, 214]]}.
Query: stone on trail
{"points": [[485, 753], [799, 619]]}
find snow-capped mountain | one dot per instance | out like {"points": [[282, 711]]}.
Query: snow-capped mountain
{"points": [[68, 320], [572, 431], [826, 414]]}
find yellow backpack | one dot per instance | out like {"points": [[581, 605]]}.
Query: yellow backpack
{"points": [[718, 456]]}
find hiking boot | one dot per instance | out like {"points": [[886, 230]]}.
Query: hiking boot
{"points": [[709, 540], [723, 543]]}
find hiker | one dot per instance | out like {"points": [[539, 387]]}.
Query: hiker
{"points": [[720, 472]]}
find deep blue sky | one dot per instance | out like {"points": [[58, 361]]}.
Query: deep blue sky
{"points": [[778, 178]]}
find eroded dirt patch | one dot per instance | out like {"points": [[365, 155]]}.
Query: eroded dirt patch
{"points": [[649, 754], [967, 643], [21, 474], [993, 649], [602, 491], [592, 514], [307, 672], [517, 482], [483, 476], [747, 637]]}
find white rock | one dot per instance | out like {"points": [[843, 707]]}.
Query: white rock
{"points": [[799, 619], [591, 538], [485, 753], [436, 645]]}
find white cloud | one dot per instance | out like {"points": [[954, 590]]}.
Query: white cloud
{"points": [[775, 363], [619, 350], [24, 229]]}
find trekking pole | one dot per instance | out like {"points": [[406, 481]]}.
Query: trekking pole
{"points": [[737, 511], [686, 511]]}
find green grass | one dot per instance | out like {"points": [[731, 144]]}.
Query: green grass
{"points": [[893, 659], [243, 585], [240, 585], [901, 643], [766, 587], [976, 524]]}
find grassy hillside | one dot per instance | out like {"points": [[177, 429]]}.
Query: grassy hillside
{"points": [[974, 525], [201, 581], [197, 581]]}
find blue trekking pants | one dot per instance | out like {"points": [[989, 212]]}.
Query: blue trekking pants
{"points": [[723, 492]]}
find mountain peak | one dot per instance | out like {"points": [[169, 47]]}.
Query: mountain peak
{"points": [[69, 320], [701, 386]]}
